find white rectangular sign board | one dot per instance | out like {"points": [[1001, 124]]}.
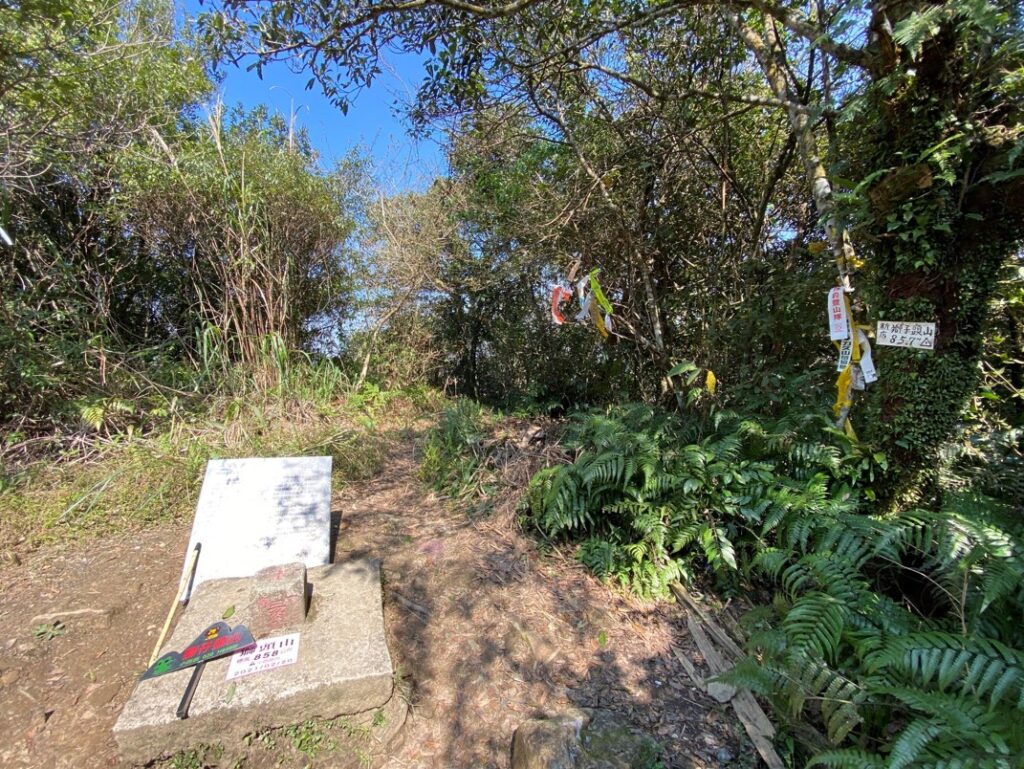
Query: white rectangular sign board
{"points": [[260, 512], [893, 333], [267, 654]]}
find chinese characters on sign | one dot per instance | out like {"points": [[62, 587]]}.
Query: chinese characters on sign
{"points": [[838, 322], [218, 640], [267, 654], [920, 336]]}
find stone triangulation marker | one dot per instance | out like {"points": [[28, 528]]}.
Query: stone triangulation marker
{"points": [[342, 667], [264, 525]]}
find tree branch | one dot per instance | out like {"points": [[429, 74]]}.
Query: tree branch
{"points": [[798, 24]]}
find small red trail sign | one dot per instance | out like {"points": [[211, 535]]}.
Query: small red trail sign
{"points": [[218, 640]]}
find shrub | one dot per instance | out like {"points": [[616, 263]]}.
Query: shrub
{"points": [[652, 495], [454, 455]]}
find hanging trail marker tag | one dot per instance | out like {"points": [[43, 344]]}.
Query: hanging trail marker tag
{"points": [[838, 321], [218, 640], [892, 333], [866, 366], [845, 354], [267, 654]]}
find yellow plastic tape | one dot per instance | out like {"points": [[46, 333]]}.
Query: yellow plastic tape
{"points": [[595, 315], [848, 427], [844, 387]]}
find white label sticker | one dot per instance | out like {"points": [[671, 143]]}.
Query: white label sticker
{"points": [[845, 355], [867, 365], [267, 654], [838, 322], [894, 333]]}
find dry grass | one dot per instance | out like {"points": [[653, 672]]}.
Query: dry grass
{"points": [[113, 484]]}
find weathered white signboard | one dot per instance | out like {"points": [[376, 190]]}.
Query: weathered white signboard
{"points": [[267, 654], [894, 333], [260, 512]]}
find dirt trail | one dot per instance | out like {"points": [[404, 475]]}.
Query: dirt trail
{"points": [[60, 696], [491, 632], [486, 630]]}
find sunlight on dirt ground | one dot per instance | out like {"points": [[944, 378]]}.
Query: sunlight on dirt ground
{"points": [[62, 688], [486, 631], [491, 632]]}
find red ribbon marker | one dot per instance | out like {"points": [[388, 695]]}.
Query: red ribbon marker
{"points": [[558, 296]]}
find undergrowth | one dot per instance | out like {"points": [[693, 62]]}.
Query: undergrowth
{"points": [[655, 497], [455, 452], [125, 469], [894, 638]]}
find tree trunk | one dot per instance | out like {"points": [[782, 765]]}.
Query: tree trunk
{"points": [[940, 234]]}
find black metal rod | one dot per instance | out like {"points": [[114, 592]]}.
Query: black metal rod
{"points": [[190, 690]]}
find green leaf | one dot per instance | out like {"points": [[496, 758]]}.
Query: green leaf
{"points": [[595, 287]]}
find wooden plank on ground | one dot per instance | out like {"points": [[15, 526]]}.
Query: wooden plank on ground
{"points": [[691, 669], [758, 727], [721, 692], [713, 627]]}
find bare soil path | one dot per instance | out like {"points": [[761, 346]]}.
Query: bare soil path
{"points": [[486, 630]]}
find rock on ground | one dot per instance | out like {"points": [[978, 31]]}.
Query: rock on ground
{"points": [[579, 739]]}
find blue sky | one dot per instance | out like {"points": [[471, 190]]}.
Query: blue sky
{"points": [[373, 122]]}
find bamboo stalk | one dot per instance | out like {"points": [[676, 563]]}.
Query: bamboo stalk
{"points": [[186, 578]]}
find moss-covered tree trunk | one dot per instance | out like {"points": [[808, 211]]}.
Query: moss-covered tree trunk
{"points": [[943, 216]]}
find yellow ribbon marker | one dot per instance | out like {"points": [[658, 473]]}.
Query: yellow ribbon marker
{"points": [[595, 315], [844, 388]]}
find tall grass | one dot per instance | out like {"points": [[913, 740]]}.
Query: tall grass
{"points": [[134, 461]]}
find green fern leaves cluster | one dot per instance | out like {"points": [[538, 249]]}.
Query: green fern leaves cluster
{"points": [[653, 496], [932, 678], [893, 638]]}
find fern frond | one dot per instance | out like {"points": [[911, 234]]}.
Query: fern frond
{"points": [[985, 668], [848, 759], [969, 721], [815, 623], [912, 740]]}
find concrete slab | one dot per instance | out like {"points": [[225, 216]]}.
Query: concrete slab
{"points": [[343, 668], [260, 512]]}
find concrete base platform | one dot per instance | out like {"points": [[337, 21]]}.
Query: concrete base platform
{"points": [[343, 668]]}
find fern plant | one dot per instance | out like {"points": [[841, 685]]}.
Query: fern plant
{"points": [[654, 496], [895, 637], [948, 676]]}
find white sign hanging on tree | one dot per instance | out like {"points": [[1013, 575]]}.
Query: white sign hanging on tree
{"points": [[845, 354], [838, 321], [894, 333], [867, 365]]}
